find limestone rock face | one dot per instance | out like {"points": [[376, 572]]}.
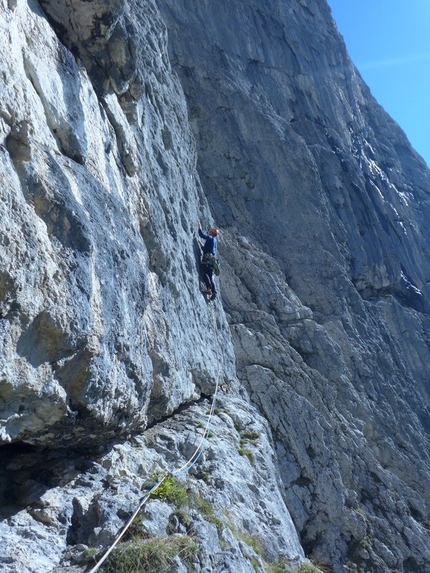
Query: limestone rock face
{"points": [[235, 499], [325, 208], [100, 313], [121, 125]]}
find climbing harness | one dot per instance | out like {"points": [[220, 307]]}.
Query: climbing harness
{"points": [[182, 470], [210, 260]]}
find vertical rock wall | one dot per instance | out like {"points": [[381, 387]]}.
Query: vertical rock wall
{"points": [[100, 313], [111, 147], [325, 208], [104, 332]]}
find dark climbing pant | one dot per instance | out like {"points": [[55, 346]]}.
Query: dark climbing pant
{"points": [[208, 273]]}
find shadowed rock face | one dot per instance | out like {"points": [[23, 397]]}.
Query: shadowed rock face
{"points": [[326, 244], [113, 143]]}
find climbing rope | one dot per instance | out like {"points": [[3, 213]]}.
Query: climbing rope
{"points": [[193, 460], [182, 470]]}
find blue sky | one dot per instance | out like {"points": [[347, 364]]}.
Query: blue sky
{"points": [[389, 42]]}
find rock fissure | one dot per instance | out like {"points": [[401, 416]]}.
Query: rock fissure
{"points": [[181, 409]]}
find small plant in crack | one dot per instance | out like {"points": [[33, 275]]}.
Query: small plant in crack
{"points": [[243, 451], [172, 491], [207, 511], [251, 436]]}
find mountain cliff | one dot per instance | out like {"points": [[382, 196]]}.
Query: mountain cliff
{"points": [[121, 125]]}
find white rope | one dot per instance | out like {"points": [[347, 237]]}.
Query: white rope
{"points": [[189, 464], [185, 468], [127, 525]]}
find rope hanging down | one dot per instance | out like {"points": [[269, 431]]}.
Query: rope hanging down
{"points": [[182, 470]]}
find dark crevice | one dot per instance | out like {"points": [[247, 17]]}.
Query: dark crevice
{"points": [[28, 471], [181, 408]]}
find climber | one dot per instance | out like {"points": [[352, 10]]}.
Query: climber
{"points": [[209, 260]]}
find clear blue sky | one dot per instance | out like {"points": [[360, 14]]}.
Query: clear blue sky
{"points": [[389, 42]]}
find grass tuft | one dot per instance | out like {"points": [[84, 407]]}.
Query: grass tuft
{"points": [[155, 554]]}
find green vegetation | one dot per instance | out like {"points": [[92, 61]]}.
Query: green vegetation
{"points": [[247, 452], [90, 554], [313, 567], [251, 539], [321, 567], [283, 567], [140, 553], [250, 436], [277, 566], [306, 568], [254, 564], [143, 554], [206, 509], [172, 491], [205, 476], [246, 438], [152, 555], [255, 541]]}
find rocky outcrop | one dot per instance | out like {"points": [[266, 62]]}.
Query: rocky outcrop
{"points": [[121, 125], [230, 503]]}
